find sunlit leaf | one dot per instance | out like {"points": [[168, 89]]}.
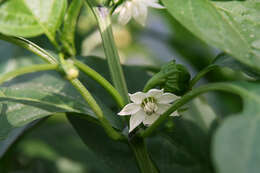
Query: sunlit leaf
{"points": [[230, 26], [29, 18]]}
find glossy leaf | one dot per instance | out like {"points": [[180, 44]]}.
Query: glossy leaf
{"points": [[11, 59], [236, 143], [37, 95], [108, 151], [12, 136], [184, 141], [230, 26], [29, 18], [225, 60], [47, 149]]}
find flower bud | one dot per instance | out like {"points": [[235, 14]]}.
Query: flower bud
{"points": [[172, 78], [72, 73], [177, 78]]}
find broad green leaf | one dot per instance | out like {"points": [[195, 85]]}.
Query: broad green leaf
{"points": [[47, 149], [37, 95], [13, 57], [236, 143], [115, 154], [69, 26], [224, 60], [184, 141], [12, 137], [30, 18], [30, 97], [231, 26]]}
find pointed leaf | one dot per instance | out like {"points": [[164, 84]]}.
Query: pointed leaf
{"points": [[29, 18]]}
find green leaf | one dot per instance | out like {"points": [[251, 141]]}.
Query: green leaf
{"points": [[225, 60], [47, 149], [109, 152], [236, 143], [69, 26], [231, 26], [30, 18], [10, 60], [33, 96], [12, 137], [37, 95], [184, 141]]}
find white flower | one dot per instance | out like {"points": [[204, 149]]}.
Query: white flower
{"points": [[137, 9], [147, 107]]}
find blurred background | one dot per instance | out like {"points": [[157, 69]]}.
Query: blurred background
{"points": [[53, 146]]}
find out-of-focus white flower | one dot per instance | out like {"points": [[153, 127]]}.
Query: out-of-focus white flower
{"points": [[137, 9], [147, 107]]}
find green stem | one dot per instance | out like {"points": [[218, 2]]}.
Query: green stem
{"points": [[19, 41], [25, 70], [102, 81], [201, 74], [97, 110], [157, 79], [105, 27], [186, 98], [145, 164]]}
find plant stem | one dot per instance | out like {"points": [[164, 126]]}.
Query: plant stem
{"points": [[186, 98], [145, 164], [105, 27], [19, 41], [25, 70], [102, 81], [97, 110], [201, 74], [157, 79]]}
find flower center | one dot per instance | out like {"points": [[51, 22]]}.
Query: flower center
{"points": [[149, 105]]}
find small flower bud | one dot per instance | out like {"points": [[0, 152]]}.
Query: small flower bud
{"points": [[172, 78], [177, 78], [72, 73]]}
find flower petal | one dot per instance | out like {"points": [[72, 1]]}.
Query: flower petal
{"points": [[154, 5], [167, 98], [130, 109], [162, 108], [151, 119], [125, 14], [137, 97], [175, 113], [141, 16], [155, 93], [136, 119]]}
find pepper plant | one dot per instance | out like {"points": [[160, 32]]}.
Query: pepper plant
{"points": [[146, 119]]}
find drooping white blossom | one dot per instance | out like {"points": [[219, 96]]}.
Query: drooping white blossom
{"points": [[147, 107], [137, 9]]}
